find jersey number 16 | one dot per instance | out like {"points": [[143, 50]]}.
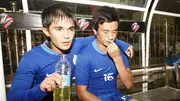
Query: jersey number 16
{"points": [[108, 77]]}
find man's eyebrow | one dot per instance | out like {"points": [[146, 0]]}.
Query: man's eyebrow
{"points": [[71, 27], [58, 27], [109, 30], [115, 29], [106, 30], [61, 27]]}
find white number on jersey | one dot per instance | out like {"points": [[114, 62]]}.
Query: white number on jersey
{"points": [[108, 77]]}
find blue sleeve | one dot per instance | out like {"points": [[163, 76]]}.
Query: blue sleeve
{"points": [[122, 45], [125, 59], [21, 88], [81, 42], [82, 71]]}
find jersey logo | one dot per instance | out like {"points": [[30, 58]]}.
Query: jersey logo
{"points": [[48, 74], [124, 98], [98, 70]]}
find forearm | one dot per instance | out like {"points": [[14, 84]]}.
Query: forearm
{"points": [[33, 94], [22, 90], [124, 74], [87, 96], [83, 41], [122, 45]]}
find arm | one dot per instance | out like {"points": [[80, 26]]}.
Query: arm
{"points": [[85, 95], [81, 42], [82, 78], [122, 45], [21, 86], [125, 47], [124, 73], [121, 63]]}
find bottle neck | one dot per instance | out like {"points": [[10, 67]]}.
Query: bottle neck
{"points": [[63, 57]]}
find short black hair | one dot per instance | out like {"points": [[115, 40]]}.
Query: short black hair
{"points": [[104, 14], [55, 12]]}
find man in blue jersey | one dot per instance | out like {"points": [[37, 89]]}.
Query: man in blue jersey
{"points": [[35, 77], [100, 62]]}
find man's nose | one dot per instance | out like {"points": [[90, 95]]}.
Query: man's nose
{"points": [[111, 36], [66, 34]]}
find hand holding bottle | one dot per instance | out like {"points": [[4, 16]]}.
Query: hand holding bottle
{"points": [[51, 82]]}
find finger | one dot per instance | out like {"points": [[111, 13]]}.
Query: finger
{"points": [[58, 75], [50, 85], [58, 79], [53, 84], [43, 85], [109, 49], [110, 46], [43, 88], [53, 80], [113, 43], [132, 53], [48, 88], [114, 47], [56, 83], [128, 53]]}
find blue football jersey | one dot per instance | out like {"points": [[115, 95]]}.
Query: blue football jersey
{"points": [[97, 70]]}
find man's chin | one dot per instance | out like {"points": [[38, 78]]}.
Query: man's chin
{"points": [[65, 49]]}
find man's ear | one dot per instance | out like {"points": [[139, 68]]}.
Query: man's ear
{"points": [[46, 32], [95, 32]]}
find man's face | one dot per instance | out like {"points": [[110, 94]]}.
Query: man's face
{"points": [[107, 32], [61, 33]]}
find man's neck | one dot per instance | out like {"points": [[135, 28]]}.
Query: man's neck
{"points": [[53, 47], [101, 46]]}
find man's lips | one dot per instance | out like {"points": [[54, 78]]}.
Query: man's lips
{"points": [[66, 43], [109, 42]]}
